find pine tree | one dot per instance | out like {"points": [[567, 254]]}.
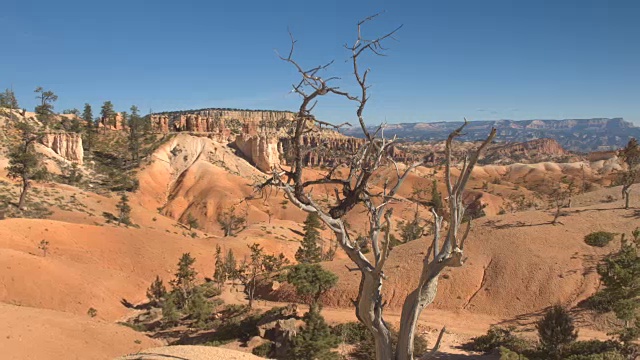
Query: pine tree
{"points": [[412, 230], [89, 128], [260, 267], [75, 175], [108, 114], [556, 331], [124, 210], [75, 127], [8, 99], [309, 251], [619, 273], [230, 266], [436, 198], [192, 222], [310, 281], [87, 113], [199, 308], [124, 118], [220, 273], [135, 133], [315, 340], [44, 111], [184, 281], [170, 313], [156, 291], [230, 222], [24, 162]]}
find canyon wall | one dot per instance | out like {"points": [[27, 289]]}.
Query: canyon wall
{"points": [[218, 120], [260, 135], [67, 145]]}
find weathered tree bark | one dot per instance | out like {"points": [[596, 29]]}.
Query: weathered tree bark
{"points": [[437, 258]]}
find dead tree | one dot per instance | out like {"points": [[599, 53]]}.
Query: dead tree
{"points": [[356, 188], [560, 197]]}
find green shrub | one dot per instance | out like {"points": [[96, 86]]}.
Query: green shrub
{"points": [[352, 332], [599, 238], [609, 355], [135, 326], [593, 350], [199, 309], [556, 331], [506, 354], [263, 350], [314, 340], [170, 313], [602, 301], [217, 342], [498, 337], [233, 327], [156, 291], [210, 289]]}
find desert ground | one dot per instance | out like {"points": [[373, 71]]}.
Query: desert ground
{"points": [[518, 262]]}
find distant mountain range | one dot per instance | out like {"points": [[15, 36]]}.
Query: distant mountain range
{"points": [[580, 135]]}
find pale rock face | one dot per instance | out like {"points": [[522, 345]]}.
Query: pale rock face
{"points": [[215, 120], [67, 145], [117, 124], [261, 149]]}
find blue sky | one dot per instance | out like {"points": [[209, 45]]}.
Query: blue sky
{"points": [[480, 59]]}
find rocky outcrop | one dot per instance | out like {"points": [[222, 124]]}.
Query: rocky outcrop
{"points": [[260, 135], [280, 327], [538, 146], [260, 149], [324, 148], [115, 123], [67, 145], [217, 120], [601, 155]]}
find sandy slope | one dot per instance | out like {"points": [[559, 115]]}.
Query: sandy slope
{"points": [[98, 266], [35, 334], [518, 263]]}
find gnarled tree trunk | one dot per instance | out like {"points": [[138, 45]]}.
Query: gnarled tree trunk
{"points": [[357, 189]]}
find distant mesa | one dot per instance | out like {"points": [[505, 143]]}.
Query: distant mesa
{"points": [[579, 135]]}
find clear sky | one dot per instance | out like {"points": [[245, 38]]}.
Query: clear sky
{"points": [[482, 59]]}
